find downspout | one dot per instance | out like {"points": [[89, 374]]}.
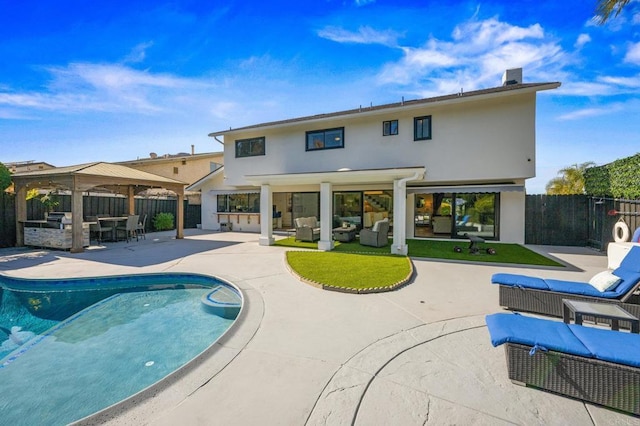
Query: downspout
{"points": [[400, 232], [218, 140]]}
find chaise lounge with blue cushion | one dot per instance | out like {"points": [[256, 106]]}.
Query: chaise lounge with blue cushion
{"points": [[544, 296], [591, 364]]}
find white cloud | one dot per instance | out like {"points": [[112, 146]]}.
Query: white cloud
{"points": [[364, 35], [633, 54], [476, 57], [363, 2], [81, 87], [630, 82], [138, 53], [592, 112], [582, 40]]}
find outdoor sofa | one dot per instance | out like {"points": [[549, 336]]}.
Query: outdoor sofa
{"points": [[591, 364], [544, 296]]}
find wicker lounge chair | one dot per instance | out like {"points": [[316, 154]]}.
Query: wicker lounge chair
{"points": [[544, 296], [591, 364]]}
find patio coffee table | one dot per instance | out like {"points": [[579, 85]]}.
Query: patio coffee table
{"points": [[607, 311], [344, 235]]}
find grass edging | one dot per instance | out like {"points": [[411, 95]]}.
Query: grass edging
{"points": [[352, 290]]}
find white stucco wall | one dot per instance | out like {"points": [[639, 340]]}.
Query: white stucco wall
{"points": [[489, 140], [512, 212]]}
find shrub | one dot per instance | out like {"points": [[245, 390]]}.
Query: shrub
{"points": [[163, 221]]}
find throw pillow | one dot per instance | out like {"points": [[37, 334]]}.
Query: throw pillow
{"points": [[604, 281]]}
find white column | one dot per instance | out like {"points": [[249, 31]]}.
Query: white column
{"points": [[399, 245], [266, 216], [326, 217]]}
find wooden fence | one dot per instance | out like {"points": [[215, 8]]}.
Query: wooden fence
{"points": [[577, 220], [93, 205]]}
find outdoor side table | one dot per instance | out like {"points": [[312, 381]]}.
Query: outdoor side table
{"points": [[605, 311], [344, 235]]}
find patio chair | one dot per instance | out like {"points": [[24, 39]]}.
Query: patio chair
{"points": [[140, 229], [544, 296], [97, 229], [307, 229], [591, 364], [378, 236], [130, 227]]}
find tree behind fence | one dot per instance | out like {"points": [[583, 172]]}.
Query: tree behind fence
{"points": [[93, 205]]}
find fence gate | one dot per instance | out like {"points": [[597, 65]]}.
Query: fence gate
{"points": [[560, 220]]}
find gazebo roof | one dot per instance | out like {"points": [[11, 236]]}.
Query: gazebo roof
{"points": [[92, 175]]}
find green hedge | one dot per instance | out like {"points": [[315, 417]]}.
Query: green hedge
{"points": [[619, 179]]}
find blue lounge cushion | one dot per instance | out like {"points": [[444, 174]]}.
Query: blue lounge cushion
{"points": [[581, 288], [607, 345], [529, 331], [516, 280], [636, 236], [631, 261], [629, 279]]}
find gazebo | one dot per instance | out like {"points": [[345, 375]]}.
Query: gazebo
{"points": [[84, 177]]}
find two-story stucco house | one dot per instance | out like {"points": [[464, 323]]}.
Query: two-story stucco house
{"points": [[440, 167]]}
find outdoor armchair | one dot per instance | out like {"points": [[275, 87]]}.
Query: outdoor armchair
{"points": [[376, 236], [307, 229]]}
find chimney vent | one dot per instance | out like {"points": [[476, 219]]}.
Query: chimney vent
{"points": [[512, 76]]}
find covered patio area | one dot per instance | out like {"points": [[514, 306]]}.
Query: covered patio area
{"points": [[327, 182], [98, 176]]}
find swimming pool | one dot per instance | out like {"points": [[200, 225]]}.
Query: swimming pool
{"points": [[70, 348]]}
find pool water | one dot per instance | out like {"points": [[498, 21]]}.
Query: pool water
{"points": [[66, 370]]}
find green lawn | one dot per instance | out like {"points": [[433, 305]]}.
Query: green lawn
{"points": [[435, 249], [350, 270], [355, 267]]}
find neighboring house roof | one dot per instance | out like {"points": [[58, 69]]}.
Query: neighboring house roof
{"points": [[197, 185], [171, 157], [506, 90]]}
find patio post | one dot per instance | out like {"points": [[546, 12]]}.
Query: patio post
{"points": [[77, 217], [266, 216], [399, 245], [326, 217]]}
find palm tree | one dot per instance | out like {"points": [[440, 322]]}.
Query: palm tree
{"points": [[571, 180], [606, 8]]}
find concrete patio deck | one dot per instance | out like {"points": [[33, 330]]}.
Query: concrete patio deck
{"points": [[303, 356]]}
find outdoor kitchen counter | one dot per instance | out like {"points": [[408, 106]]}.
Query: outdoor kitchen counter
{"points": [[40, 233]]}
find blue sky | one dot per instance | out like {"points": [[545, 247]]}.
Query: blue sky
{"points": [[113, 80]]}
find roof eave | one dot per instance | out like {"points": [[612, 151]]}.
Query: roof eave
{"points": [[404, 106]]}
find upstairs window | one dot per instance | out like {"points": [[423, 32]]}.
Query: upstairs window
{"points": [[422, 128], [390, 128], [250, 147], [325, 139]]}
